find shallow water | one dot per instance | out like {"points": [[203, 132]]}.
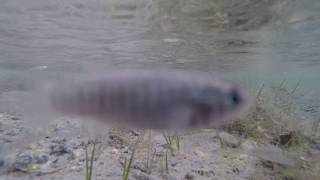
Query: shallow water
{"points": [[256, 41], [45, 39]]}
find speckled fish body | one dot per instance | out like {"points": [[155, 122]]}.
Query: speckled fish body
{"points": [[152, 99]]}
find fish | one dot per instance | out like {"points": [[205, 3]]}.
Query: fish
{"points": [[152, 99]]}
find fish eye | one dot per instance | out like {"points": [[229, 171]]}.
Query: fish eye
{"points": [[234, 98]]}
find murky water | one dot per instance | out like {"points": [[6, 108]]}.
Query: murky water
{"points": [[257, 41]]}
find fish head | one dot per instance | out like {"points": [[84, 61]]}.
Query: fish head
{"points": [[214, 106]]}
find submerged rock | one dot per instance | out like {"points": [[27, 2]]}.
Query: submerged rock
{"points": [[59, 149], [169, 177], [229, 140], [315, 146], [143, 176], [22, 162], [116, 141], [204, 172], [273, 154], [1, 163], [248, 145], [189, 176], [140, 165], [41, 159]]}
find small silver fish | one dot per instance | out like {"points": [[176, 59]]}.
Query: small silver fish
{"points": [[153, 99]]}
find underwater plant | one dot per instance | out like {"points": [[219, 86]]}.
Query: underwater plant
{"points": [[172, 139], [126, 165], [89, 161]]}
